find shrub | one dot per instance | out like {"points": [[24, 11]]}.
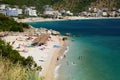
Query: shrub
{"points": [[21, 16], [9, 24], [10, 71]]}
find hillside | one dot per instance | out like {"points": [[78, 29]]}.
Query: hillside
{"points": [[11, 25], [106, 3], [80, 5], [73, 5], [38, 3]]}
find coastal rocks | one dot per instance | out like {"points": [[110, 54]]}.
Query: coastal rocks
{"points": [[71, 35], [46, 31], [64, 38], [53, 32], [68, 34]]}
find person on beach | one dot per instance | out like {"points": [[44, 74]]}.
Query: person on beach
{"points": [[79, 57], [64, 56], [57, 59]]}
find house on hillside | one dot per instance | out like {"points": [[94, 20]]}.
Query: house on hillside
{"points": [[69, 13], [3, 9], [99, 13], [62, 11], [13, 11], [3, 12], [95, 10], [50, 12], [2, 6], [48, 8], [84, 13], [31, 11], [118, 10], [104, 14]]}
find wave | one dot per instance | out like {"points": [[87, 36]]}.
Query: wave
{"points": [[56, 71], [57, 67], [66, 50]]}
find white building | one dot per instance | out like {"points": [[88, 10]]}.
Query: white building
{"points": [[53, 14], [99, 12], [13, 11], [113, 13], [119, 10], [3, 12], [31, 11], [84, 13], [89, 9], [2, 6], [48, 8], [20, 11], [95, 9], [69, 13], [104, 14]]}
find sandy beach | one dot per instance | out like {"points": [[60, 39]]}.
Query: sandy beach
{"points": [[54, 62], [40, 19], [45, 55], [47, 58]]}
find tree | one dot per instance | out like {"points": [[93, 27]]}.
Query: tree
{"points": [[9, 24]]}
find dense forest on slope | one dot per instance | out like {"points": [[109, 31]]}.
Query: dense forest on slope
{"points": [[38, 3], [9, 24], [73, 5]]}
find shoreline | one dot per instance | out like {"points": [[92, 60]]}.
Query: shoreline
{"points": [[47, 58], [51, 61], [40, 19], [50, 74]]}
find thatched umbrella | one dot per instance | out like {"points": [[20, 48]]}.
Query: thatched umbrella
{"points": [[41, 39]]}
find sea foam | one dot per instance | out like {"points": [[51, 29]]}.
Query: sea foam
{"points": [[56, 71], [67, 49]]}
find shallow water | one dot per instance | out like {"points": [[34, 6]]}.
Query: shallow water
{"points": [[95, 55]]}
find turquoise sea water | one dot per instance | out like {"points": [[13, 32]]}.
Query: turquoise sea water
{"points": [[95, 55]]}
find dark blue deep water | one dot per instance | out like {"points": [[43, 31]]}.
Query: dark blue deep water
{"points": [[95, 55]]}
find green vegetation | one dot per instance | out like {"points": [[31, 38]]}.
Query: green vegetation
{"points": [[9, 24], [38, 3], [7, 52], [73, 5], [21, 16], [118, 4], [12, 65], [10, 71], [15, 67]]}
